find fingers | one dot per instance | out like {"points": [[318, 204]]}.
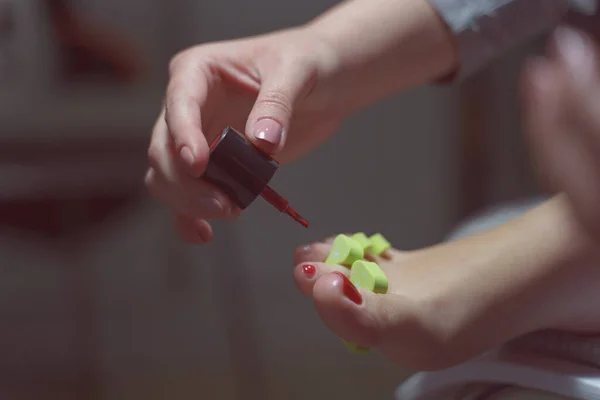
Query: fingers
{"points": [[270, 119], [193, 230], [186, 94], [181, 192]]}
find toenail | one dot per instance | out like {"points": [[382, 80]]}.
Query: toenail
{"points": [[309, 270], [305, 249], [349, 290]]}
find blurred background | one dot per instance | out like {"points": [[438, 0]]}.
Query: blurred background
{"points": [[98, 297]]}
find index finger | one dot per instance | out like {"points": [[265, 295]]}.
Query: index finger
{"points": [[187, 93]]}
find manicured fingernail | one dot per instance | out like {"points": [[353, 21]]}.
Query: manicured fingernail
{"points": [[269, 131], [309, 270], [577, 51], [187, 156], [349, 290], [211, 206]]}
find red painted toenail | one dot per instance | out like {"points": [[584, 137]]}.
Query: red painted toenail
{"points": [[309, 270], [305, 249], [349, 290]]}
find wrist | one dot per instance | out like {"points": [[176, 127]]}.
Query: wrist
{"points": [[378, 48]]}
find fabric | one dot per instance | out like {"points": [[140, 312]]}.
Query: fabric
{"points": [[487, 29]]}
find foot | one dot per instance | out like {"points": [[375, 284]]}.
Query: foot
{"points": [[451, 302], [400, 323]]}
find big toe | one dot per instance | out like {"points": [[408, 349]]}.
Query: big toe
{"points": [[389, 322], [348, 312]]}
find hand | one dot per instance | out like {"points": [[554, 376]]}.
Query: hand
{"points": [[271, 87], [562, 110]]}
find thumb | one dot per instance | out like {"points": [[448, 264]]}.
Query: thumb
{"points": [[270, 118]]}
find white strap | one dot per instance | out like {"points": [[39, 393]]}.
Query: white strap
{"points": [[532, 372]]}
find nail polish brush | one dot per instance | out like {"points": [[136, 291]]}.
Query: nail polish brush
{"points": [[243, 172]]}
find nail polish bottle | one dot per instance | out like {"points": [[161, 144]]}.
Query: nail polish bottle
{"points": [[243, 172]]}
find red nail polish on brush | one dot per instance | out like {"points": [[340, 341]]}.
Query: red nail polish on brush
{"points": [[243, 172], [349, 290]]}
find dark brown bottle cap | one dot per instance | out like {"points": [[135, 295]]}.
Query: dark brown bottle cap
{"points": [[238, 168]]}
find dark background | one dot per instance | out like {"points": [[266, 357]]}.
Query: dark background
{"points": [[98, 297]]}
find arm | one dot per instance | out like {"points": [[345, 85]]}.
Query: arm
{"points": [[384, 46]]}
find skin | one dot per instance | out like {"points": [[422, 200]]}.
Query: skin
{"points": [[307, 79], [533, 273], [561, 93], [537, 272], [303, 80]]}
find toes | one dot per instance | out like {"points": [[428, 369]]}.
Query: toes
{"points": [[309, 265], [317, 251], [352, 314], [390, 256], [306, 274], [392, 323]]}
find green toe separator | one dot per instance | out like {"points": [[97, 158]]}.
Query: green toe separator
{"points": [[363, 240], [345, 251], [354, 348], [379, 244], [366, 275]]}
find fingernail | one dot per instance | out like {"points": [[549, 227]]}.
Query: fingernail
{"points": [[211, 206], [186, 156], [309, 270], [349, 290], [269, 131], [576, 50]]}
